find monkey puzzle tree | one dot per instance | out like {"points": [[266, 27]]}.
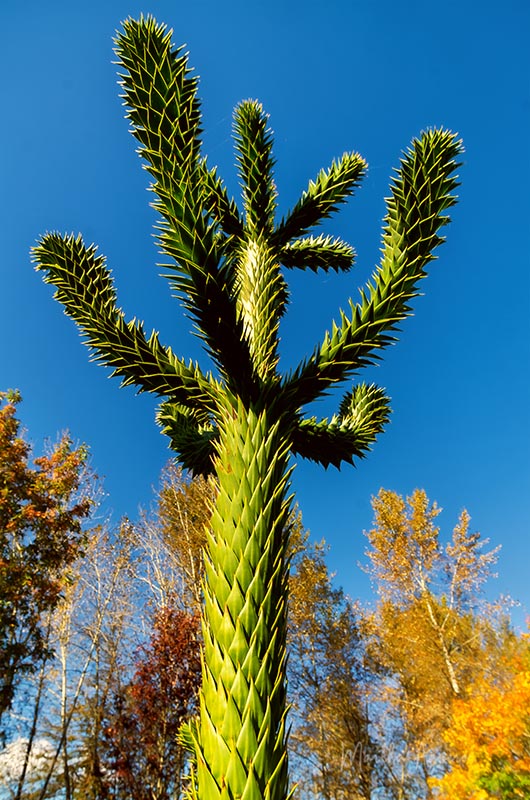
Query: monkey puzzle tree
{"points": [[243, 422]]}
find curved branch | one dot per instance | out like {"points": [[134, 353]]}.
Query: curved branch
{"points": [[363, 414], [421, 192], [85, 288], [192, 442]]}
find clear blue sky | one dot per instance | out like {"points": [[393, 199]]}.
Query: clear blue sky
{"points": [[344, 75]]}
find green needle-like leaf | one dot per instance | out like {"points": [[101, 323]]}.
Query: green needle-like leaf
{"points": [[218, 204]]}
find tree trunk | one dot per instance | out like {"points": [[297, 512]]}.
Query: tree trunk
{"points": [[451, 674], [242, 741]]}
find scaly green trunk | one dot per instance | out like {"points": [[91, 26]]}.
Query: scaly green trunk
{"points": [[242, 742]]}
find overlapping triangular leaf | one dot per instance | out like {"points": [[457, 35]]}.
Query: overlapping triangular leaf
{"points": [[261, 298]]}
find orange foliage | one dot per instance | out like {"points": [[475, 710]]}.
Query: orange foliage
{"points": [[489, 737], [41, 509], [424, 631], [425, 638]]}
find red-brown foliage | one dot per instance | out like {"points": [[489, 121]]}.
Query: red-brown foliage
{"points": [[145, 759]]}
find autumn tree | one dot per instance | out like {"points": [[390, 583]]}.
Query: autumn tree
{"points": [[55, 723], [331, 749], [42, 507], [96, 631], [488, 738], [425, 637], [145, 759], [182, 519], [101, 638]]}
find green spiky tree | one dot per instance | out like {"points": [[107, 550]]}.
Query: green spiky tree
{"points": [[244, 421]]}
